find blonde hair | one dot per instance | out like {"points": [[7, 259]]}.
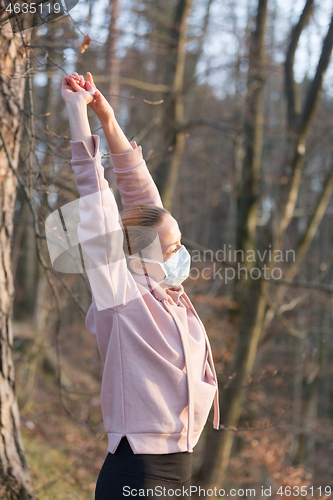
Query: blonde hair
{"points": [[136, 220]]}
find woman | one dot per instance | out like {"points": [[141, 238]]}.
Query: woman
{"points": [[157, 386]]}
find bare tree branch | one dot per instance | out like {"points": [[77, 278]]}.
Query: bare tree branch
{"points": [[315, 91], [207, 123], [292, 93]]}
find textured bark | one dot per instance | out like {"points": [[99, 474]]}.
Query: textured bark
{"points": [[14, 475]]}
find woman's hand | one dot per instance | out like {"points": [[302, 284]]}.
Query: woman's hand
{"points": [[76, 99], [99, 104], [72, 92], [116, 138]]}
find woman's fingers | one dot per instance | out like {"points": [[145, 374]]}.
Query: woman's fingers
{"points": [[68, 79], [78, 78], [75, 85], [90, 79], [89, 87], [70, 76]]}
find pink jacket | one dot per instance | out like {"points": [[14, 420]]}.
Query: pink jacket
{"points": [[157, 386]]}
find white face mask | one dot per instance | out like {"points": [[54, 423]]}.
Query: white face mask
{"points": [[176, 269]]}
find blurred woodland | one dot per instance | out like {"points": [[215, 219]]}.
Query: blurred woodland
{"points": [[241, 151]]}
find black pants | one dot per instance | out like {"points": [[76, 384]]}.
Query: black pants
{"points": [[124, 473]]}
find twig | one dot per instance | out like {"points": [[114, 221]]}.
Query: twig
{"points": [[233, 429]]}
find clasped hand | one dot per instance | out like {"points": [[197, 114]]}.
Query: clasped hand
{"points": [[75, 89]]}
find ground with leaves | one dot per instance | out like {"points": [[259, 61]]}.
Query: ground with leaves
{"points": [[65, 456]]}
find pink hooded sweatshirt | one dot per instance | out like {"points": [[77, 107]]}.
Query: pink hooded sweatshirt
{"points": [[157, 386]]}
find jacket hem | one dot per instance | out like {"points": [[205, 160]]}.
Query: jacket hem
{"points": [[153, 443]]}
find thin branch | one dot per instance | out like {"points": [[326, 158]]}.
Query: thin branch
{"points": [[314, 92], [305, 284], [234, 429], [207, 123], [18, 76], [284, 322], [292, 94], [278, 282], [309, 234], [39, 236], [132, 82]]}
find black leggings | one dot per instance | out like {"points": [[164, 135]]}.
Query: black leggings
{"points": [[124, 473]]}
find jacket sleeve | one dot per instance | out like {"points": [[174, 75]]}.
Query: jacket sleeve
{"points": [[135, 183], [99, 231]]}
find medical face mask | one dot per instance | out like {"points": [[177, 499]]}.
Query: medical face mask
{"points": [[176, 269]]}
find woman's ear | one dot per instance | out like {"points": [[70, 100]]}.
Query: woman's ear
{"points": [[136, 266]]}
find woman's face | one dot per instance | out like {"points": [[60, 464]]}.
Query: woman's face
{"points": [[169, 237]]}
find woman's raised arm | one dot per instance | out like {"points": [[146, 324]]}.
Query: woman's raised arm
{"points": [[135, 183], [76, 104], [99, 231], [116, 138]]}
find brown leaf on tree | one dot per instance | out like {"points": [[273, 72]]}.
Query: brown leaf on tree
{"points": [[85, 44]]}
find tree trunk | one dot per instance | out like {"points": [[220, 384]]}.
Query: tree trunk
{"points": [[14, 475], [219, 443], [306, 438], [173, 137], [299, 122], [219, 446], [112, 68], [253, 134]]}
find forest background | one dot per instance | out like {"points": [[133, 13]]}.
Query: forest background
{"points": [[231, 102]]}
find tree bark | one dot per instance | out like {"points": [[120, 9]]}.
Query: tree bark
{"points": [[14, 475]]}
